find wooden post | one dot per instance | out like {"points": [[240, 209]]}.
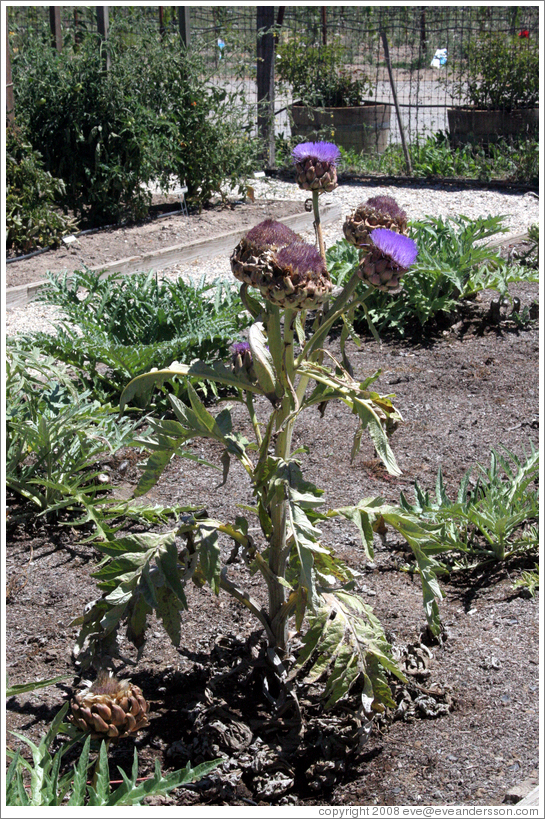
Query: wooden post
{"points": [[10, 106], [184, 21], [55, 26], [265, 81], [161, 23], [423, 36], [103, 24], [394, 94], [324, 25]]}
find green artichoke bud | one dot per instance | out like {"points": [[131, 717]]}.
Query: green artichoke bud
{"points": [[242, 359]]}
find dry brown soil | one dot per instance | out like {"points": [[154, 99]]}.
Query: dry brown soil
{"points": [[156, 233], [466, 729]]}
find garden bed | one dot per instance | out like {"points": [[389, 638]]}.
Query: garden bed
{"points": [[462, 393], [155, 234]]}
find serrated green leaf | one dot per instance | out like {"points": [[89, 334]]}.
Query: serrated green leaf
{"points": [[168, 609], [262, 360], [210, 556]]}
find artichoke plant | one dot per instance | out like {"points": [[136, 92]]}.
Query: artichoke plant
{"points": [[305, 582], [377, 212], [109, 708]]}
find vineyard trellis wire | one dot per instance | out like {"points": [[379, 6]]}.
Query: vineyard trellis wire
{"points": [[227, 36]]}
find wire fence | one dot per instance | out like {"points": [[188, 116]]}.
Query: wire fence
{"points": [[423, 43]]}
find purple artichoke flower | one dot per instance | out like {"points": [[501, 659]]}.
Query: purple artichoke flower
{"points": [[401, 250], [240, 347], [271, 233], [387, 204], [315, 165], [390, 256], [325, 152]]}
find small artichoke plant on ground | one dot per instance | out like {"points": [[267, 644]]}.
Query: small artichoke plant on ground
{"points": [[285, 286]]}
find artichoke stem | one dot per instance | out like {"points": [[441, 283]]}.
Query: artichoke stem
{"points": [[318, 224]]}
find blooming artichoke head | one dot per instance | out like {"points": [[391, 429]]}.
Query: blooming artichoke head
{"points": [[109, 708], [300, 279], [315, 163], [377, 212], [388, 259], [253, 251]]}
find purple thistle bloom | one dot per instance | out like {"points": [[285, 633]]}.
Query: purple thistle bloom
{"points": [[271, 233], [303, 259], [401, 250], [240, 347], [325, 152], [386, 204]]}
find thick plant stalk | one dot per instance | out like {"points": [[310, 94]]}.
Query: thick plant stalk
{"points": [[278, 548], [318, 224]]}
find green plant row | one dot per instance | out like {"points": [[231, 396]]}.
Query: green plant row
{"points": [[118, 327], [434, 157], [454, 262]]}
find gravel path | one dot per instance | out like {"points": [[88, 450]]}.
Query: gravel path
{"points": [[520, 209]]}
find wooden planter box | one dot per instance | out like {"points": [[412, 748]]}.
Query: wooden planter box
{"points": [[362, 128], [476, 127]]}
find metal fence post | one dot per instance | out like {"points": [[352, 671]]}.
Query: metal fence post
{"points": [[396, 104], [184, 21], [265, 81], [55, 26], [103, 24]]}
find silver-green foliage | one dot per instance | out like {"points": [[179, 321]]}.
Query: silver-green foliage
{"points": [[55, 434], [495, 519], [454, 262], [41, 783], [118, 327], [304, 578]]}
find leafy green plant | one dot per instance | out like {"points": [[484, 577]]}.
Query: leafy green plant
{"points": [[286, 370], [529, 581], [453, 263], [492, 520], [40, 783], [55, 434], [507, 159], [33, 218], [316, 74], [501, 73], [109, 134], [118, 327]]}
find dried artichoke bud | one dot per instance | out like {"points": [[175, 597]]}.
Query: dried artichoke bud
{"points": [[299, 278], [252, 254], [109, 708], [377, 212], [388, 260], [315, 163]]}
